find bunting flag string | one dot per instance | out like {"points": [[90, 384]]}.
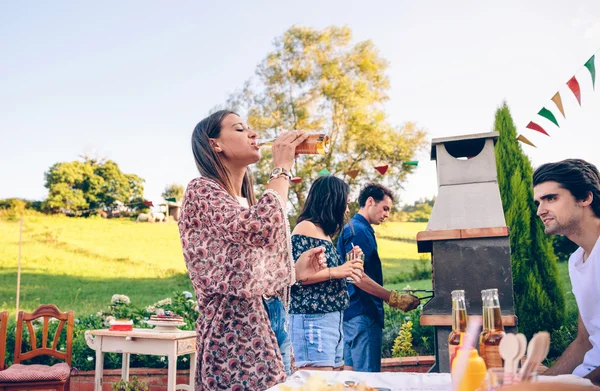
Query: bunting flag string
{"points": [[573, 85], [296, 179], [411, 163], [171, 199], [524, 139], [575, 88], [544, 112], [536, 127], [590, 65], [558, 102], [382, 169], [352, 173], [324, 172]]}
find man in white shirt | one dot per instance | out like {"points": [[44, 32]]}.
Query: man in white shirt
{"points": [[567, 196]]}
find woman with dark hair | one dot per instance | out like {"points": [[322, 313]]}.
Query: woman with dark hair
{"points": [[236, 250], [318, 302]]}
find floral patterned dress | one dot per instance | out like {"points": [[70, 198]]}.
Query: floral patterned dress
{"points": [[234, 255]]}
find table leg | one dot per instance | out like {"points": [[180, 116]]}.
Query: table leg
{"points": [[192, 371], [99, 370], [172, 371], [125, 367]]}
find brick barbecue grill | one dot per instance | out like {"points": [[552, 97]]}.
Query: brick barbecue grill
{"points": [[466, 235]]}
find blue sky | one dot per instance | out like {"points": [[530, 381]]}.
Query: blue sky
{"points": [[130, 80]]}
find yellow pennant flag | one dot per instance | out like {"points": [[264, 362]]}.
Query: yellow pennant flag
{"points": [[524, 139], [558, 102]]}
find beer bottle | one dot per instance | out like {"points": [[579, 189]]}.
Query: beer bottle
{"points": [[459, 322], [492, 338], [485, 321]]}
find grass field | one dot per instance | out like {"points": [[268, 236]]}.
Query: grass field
{"points": [[80, 263]]}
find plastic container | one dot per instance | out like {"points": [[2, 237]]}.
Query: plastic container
{"points": [[475, 371]]}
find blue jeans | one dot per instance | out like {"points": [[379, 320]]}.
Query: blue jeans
{"points": [[276, 313], [318, 339], [362, 344]]}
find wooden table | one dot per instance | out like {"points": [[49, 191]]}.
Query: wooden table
{"points": [[144, 341]]}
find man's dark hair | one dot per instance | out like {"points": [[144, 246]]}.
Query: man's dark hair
{"points": [[575, 175], [326, 204], [375, 190]]}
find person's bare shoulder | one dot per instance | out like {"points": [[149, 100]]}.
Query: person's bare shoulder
{"points": [[308, 228]]}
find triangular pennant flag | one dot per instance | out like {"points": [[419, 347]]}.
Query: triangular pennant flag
{"points": [[536, 127], [148, 203], [574, 87], [352, 173], [411, 163], [524, 139], [324, 172], [171, 199], [558, 102], [296, 179], [382, 169], [592, 68], [544, 112]]}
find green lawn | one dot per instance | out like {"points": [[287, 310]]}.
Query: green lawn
{"points": [[79, 263]]}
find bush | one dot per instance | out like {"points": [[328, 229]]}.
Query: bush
{"points": [[133, 385], [422, 336], [403, 344]]}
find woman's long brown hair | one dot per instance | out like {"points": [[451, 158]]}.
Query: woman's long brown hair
{"points": [[209, 162]]}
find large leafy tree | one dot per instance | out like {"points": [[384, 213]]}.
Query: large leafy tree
{"points": [[319, 81], [540, 304], [90, 184]]}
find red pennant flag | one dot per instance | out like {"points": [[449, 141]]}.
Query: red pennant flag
{"points": [[574, 86], [352, 173], [382, 169], [534, 126], [296, 179], [148, 203]]}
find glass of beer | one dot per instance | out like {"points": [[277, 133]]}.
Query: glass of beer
{"points": [[315, 144], [353, 257]]}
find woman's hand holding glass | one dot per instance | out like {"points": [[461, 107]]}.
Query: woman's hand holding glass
{"points": [[310, 262], [284, 148], [352, 270]]}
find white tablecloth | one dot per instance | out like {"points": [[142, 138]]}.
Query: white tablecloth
{"points": [[403, 381], [396, 381]]}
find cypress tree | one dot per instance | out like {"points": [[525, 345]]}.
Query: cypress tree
{"points": [[539, 301]]}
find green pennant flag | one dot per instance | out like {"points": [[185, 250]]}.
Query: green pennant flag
{"points": [[411, 163], [171, 199], [544, 112], [324, 172], [592, 68]]}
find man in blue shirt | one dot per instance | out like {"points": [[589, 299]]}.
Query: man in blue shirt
{"points": [[363, 320]]}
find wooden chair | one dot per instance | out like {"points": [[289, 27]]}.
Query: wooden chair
{"points": [[34, 377], [3, 326]]}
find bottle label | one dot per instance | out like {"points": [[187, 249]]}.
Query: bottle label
{"points": [[492, 357]]}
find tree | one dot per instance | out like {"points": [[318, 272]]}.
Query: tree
{"points": [[90, 184], [173, 191], [540, 304], [318, 81]]}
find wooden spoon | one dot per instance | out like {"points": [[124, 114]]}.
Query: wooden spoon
{"points": [[536, 353], [508, 349], [522, 350]]}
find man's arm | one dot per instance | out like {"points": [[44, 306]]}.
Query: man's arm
{"points": [[368, 285], [594, 376], [573, 356]]}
